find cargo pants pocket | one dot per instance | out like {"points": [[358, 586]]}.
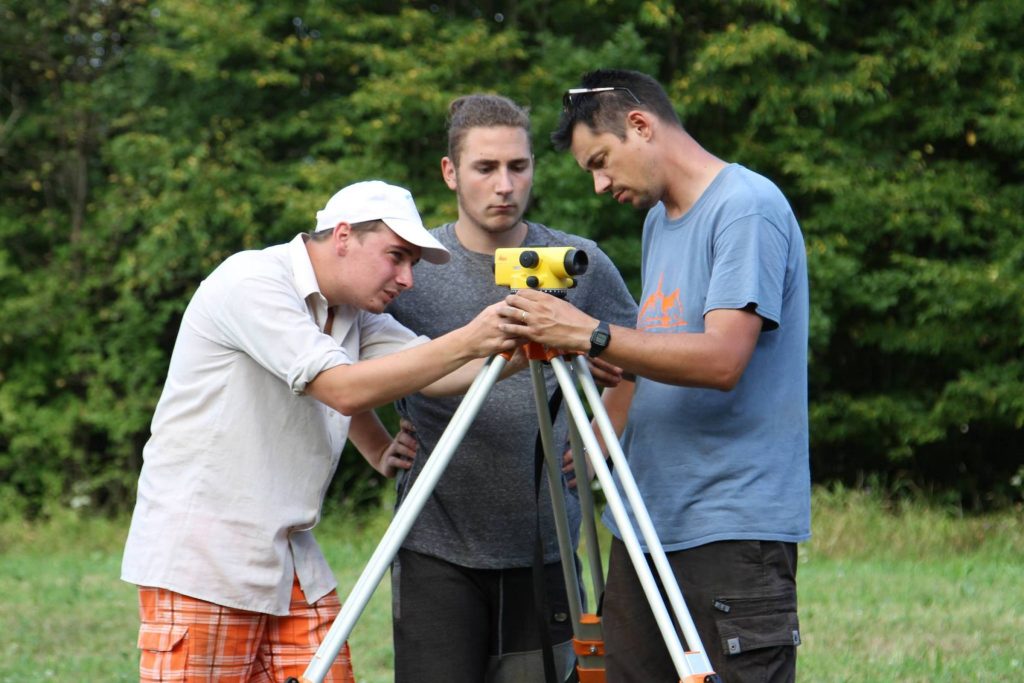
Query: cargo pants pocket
{"points": [[753, 622], [163, 651]]}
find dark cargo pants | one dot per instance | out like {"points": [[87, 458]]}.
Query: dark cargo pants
{"points": [[741, 596]]}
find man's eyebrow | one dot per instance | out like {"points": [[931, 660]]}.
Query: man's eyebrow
{"points": [[517, 160], [403, 248], [410, 252], [590, 161]]}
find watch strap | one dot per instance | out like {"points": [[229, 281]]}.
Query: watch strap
{"points": [[599, 339]]}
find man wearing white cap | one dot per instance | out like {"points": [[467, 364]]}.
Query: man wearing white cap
{"points": [[282, 353]]}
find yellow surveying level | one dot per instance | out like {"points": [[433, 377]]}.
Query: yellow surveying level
{"points": [[549, 269]]}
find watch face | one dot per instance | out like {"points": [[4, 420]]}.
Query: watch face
{"points": [[599, 339]]}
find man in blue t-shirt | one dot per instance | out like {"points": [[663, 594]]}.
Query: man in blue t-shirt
{"points": [[717, 430]]}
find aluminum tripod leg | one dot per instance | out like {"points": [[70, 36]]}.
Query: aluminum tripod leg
{"points": [[694, 664], [588, 526], [618, 458], [588, 643], [558, 510], [402, 523]]}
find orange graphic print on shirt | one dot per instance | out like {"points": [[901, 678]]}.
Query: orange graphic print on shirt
{"points": [[660, 311]]}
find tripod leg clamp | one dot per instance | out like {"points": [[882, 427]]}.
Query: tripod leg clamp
{"points": [[589, 649]]}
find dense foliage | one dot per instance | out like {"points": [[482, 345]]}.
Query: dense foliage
{"points": [[142, 142]]}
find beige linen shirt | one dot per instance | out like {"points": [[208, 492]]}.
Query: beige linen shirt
{"points": [[239, 460]]}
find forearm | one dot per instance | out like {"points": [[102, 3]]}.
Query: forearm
{"points": [[696, 360], [368, 434], [367, 384], [455, 382], [686, 359], [458, 381], [714, 358]]}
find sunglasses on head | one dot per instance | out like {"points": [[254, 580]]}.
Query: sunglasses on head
{"points": [[573, 94]]}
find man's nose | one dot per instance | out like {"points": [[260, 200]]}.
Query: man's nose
{"points": [[601, 183], [404, 278], [504, 181]]}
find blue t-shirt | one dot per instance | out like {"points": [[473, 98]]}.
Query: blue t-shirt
{"points": [[725, 465]]}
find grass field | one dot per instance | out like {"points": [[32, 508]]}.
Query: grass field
{"points": [[908, 594]]}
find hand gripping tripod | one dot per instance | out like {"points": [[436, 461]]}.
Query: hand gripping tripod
{"points": [[692, 665]]}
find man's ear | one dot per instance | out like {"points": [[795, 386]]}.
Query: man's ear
{"points": [[639, 122], [448, 173], [341, 237]]}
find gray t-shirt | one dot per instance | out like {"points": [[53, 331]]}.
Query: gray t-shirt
{"points": [[482, 512]]}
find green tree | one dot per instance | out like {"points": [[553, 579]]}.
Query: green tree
{"points": [[60, 71], [141, 143]]}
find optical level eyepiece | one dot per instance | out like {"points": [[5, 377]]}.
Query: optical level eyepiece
{"points": [[576, 262]]}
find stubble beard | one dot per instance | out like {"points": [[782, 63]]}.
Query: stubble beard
{"points": [[645, 202]]}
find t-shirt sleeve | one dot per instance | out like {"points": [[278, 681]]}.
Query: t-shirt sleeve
{"points": [[749, 268]]}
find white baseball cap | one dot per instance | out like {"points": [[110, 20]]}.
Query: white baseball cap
{"points": [[373, 200]]}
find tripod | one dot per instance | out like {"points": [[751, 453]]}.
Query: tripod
{"points": [[692, 665]]}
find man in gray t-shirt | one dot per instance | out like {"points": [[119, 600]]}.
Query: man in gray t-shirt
{"points": [[462, 587]]}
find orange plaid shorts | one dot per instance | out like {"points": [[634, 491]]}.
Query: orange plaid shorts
{"points": [[186, 640]]}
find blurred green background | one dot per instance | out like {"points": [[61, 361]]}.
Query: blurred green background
{"points": [[143, 142]]}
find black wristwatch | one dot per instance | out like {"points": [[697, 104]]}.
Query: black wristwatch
{"points": [[599, 339]]}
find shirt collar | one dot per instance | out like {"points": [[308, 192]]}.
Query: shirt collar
{"points": [[305, 278], [302, 268]]}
